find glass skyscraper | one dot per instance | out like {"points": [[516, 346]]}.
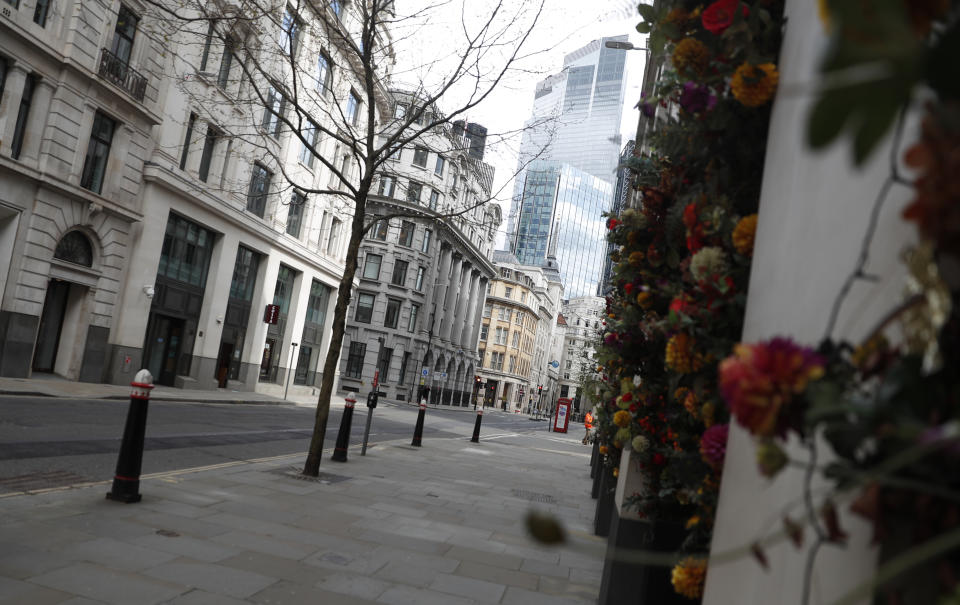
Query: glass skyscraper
{"points": [[573, 139]]}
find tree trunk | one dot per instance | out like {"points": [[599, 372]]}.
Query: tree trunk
{"points": [[311, 467]]}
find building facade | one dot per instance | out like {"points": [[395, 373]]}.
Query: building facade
{"points": [[584, 320], [190, 230], [424, 268]]}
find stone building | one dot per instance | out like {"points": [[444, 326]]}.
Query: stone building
{"points": [[80, 91], [518, 319], [190, 229], [583, 317], [423, 269]]}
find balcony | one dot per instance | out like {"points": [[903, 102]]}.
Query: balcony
{"points": [[115, 70]]}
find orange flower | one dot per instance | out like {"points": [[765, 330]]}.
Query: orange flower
{"points": [[680, 356], [743, 234], [691, 404], [691, 56], [622, 418], [689, 576], [754, 85]]}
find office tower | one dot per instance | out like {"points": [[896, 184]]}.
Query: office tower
{"points": [[567, 167]]}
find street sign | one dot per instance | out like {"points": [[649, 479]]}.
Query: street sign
{"points": [[376, 380], [443, 375], [425, 372], [271, 314]]}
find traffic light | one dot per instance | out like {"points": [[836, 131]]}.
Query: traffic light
{"points": [[539, 389], [476, 380]]}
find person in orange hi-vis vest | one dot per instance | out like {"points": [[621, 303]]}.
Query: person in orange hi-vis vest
{"points": [[588, 423]]}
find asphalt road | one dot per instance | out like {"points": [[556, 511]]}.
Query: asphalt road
{"points": [[48, 442]]}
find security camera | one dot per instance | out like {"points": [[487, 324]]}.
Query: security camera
{"points": [[148, 290]]}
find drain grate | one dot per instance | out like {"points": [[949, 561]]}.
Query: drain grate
{"points": [[534, 496], [294, 473], [36, 481]]}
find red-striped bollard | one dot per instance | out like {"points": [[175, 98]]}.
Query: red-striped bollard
{"points": [[343, 437], [418, 429], [126, 481], [476, 427]]}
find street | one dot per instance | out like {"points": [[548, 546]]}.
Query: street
{"points": [[50, 442]]}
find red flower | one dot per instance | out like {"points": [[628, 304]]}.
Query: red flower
{"points": [[628, 289], [658, 459], [719, 16], [612, 223]]}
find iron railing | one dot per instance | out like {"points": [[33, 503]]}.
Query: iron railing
{"points": [[117, 71]]}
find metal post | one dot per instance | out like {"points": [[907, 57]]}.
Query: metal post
{"points": [[293, 350], [126, 480], [343, 437], [418, 429], [371, 405], [476, 427]]}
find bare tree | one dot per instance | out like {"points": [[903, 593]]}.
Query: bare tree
{"points": [[320, 73]]}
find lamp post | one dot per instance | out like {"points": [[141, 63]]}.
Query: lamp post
{"points": [[293, 350]]}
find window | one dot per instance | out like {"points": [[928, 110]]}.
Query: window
{"points": [[209, 143], [392, 316], [3, 75], [434, 199], [399, 272], [496, 361], [420, 156], [20, 128], [484, 330], [512, 365], [310, 134], [412, 322], [407, 230], [383, 363], [244, 274], [276, 104], [185, 255], [207, 43], [387, 184], [40, 12], [364, 307], [186, 141], [283, 290], [95, 164], [371, 266], [438, 170], [295, 213], [569, 364], [291, 32], [425, 244], [516, 340], [523, 296], [337, 7], [404, 365], [123, 34], [334, 241], [74, 247], [379, 230], [413, 192], [519, 318], [421, 271], [507, 292], [355, 359], [501, 336], [324, 73], [259, 187], [487, 309], [503, 314], [353, 108], [226, 61], [399, 111]]}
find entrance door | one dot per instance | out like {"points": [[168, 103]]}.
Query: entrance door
{"points": [[223, 364], [163, 348], [51, 324]]}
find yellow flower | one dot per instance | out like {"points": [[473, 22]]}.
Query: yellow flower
{"points": [[744, 233], [690, 56], [603, 450], [693, 521], [688, 577], [622, 418], [680, 356], [643, 299], [635, 258], [707, 411], [754, 85], [691, 404], [616, 472]]}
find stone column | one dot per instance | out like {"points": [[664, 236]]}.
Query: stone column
{"points": [[449, 303], [460, 315], [466, 335], [37, 120], [478, 313], [440, 287], [10, 105]]}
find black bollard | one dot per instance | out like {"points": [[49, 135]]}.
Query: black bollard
{"points": [[126, 481], [594, 454], [343, 437], [476, 427], [418, 429]]}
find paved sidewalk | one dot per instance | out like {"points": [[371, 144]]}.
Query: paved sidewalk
{"points": [[441, 524]]}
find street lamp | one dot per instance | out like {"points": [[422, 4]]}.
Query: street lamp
{"points": [[623, 45]]}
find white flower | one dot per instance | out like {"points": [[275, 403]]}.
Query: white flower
{"points": [[640, 444], [708, 261]]}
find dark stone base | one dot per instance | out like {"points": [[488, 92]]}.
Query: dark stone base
{"points": [[94, 355], [623, 583], [18, 332], [605, 501]]}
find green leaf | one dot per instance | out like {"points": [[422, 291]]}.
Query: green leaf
{"points": [[828, 119], [877, 118], [648, 12], [644, 28]]}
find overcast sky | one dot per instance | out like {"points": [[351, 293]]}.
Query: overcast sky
{"points": [[563, 26]]}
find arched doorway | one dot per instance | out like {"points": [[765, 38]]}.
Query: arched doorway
{"points": [[59, 336]]}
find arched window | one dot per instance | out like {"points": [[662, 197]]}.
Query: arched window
{"points": [[75, 247]]}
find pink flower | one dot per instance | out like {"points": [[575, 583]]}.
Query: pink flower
{"points": [[719, 16], [760, 382], [713, 445]]}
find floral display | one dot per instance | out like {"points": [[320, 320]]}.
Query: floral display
{"points": [[682, 263]]}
